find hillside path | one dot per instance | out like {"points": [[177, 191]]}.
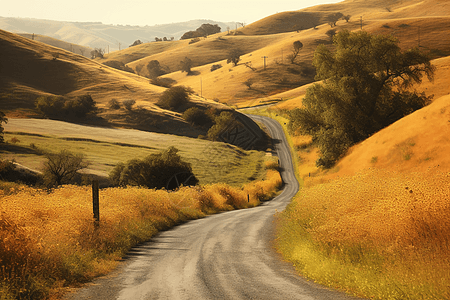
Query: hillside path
{"points": [[224, 256]]}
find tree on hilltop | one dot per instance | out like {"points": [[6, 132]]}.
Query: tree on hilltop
{"points": [[203, 31], [366, 87]]}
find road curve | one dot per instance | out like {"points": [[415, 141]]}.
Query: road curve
{"points": [[223, 256]]}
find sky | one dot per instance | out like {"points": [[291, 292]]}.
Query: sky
{"points": [[151, 12]]}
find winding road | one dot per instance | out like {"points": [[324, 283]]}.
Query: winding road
{"points": [[223, 256]]}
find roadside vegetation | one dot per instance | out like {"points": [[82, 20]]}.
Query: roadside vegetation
{"points": [[379, 234], [50, 241]]}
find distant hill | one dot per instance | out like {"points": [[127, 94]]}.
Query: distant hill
{"points": [[74, 48], [98, 35]]}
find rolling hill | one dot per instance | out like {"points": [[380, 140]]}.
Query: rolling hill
{"points": [[98, 35], [263, 74], [30, 69]]}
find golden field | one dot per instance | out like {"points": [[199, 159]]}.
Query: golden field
{"points": [[50, 242], [378, 234]]}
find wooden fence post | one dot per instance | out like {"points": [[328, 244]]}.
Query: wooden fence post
{"points": [[95, 202]]}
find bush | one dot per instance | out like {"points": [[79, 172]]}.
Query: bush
{"points": [[193, 41], [114, 104], [128, 104], [118, 65], [215, 67], [154, 171], [198, 117], [58, 107], [10, 172], [222, 122], [3, 119], [174, 98]]}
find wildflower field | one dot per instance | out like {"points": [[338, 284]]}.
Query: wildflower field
{"points": [[49, 241], [378, 234]]}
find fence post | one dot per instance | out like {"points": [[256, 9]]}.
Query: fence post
{"points": [[95, 202]]}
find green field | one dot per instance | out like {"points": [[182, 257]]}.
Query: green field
{"points": [[211, 161]]}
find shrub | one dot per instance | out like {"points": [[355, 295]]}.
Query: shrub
{"points": [[118, 65], [215, 67], [11, 173], [3, 119], [154, 171], [114, 104], [198, 117], [128, 104], [222, 122], [174, 98], [58, 107], [193, 41]]}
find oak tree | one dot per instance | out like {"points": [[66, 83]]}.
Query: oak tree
{"points": [[366, 86]]}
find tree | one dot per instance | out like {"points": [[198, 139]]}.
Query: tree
{"points": [[97, 52], [202, 31], [347, 18], [198, 117], [186, 65], [136, 43], [366, 82], [332, 19], [154, 69], [296, 47], [331, 33], [234, 56], [174, 98], [62, 167], [3, 119], [154, 171]]}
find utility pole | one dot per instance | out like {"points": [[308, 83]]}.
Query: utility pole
{"points": [[361, 22], [264, 61], [119, 46], [201, 87]]}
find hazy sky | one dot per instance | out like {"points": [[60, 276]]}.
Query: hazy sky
{"points": [[151, 12]]}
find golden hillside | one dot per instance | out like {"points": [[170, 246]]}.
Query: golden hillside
{"points": [[74, 48], [30, 69]]}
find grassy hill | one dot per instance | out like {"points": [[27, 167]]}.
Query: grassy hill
{"points": [[414, 23], [74, 48], [31, 69], [98, 35]]}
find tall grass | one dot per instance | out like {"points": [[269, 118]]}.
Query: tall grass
{"points": [[48, 241], [378, 234]]}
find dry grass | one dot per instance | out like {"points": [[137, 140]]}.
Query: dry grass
{"points": [[378, 234], [49, 241]]}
